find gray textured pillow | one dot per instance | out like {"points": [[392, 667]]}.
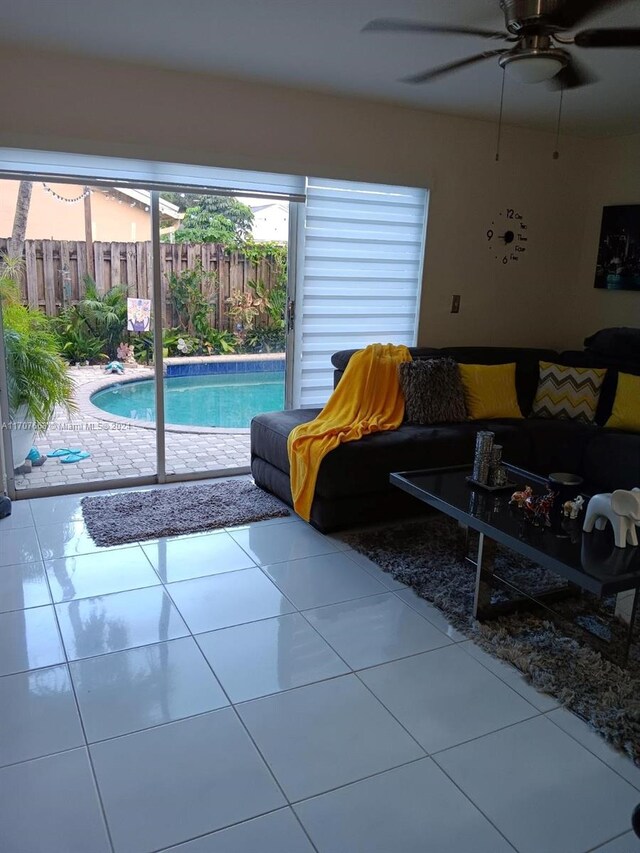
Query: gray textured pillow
{"points": [[433, 391]]}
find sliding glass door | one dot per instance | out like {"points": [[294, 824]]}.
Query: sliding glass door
{"points": [[163, 318], [150, 310], [71, 258], [223, 283]]}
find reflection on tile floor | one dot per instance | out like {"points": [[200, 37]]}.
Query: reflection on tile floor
{"points": [[266, 690]]}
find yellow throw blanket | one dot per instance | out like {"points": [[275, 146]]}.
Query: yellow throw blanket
{"points": [[368, 399]]}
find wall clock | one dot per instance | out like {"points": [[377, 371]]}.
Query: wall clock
{"points": [[507, 237]]}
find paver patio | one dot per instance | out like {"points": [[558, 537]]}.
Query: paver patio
{"points": [[120, 450]]}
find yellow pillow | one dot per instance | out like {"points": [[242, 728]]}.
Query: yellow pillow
{"points": [[490, 390], [626, 406]]}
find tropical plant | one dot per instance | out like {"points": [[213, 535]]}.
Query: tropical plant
{"points": [[78, 346], [273, 302], [219, 341], [105, 314], [265, 340], [275, 254], [143, 346], [97, 324], [192, 293], [244, 308], [216, 342], [37, 378]]}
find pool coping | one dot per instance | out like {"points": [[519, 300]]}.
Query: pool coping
{"points": [[86, 407]]}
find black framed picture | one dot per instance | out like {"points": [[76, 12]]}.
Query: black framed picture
{"points": [[618, 265]]}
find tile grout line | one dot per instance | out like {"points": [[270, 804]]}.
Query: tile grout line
{"points": [[84, 734], [232, 705], [606, 843], [503, 680], [231, 826], [354, 673], [430, 755], [486, 734], [595, 755], [353, 782], [467, 797], [244, 726], [397, 592]]}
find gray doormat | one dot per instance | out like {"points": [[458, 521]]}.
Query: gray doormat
{"points": [[136, 516], [554, 655]]}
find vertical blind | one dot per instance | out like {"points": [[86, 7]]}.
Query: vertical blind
{"points": [[359, 275]]}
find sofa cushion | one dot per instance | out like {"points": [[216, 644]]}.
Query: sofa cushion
{"points": [[341, 358], [433, 392], [526, 360], [364, 466], [556, 445], [357, 467], [619, 342], [568, 393], [269, 433], [490, 391], [337, 513], [612, 460], [626, 405]]}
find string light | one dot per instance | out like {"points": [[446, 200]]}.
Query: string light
{"points": [[59, 197]]}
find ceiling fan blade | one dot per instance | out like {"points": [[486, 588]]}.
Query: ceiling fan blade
{"points": [[574, 12], [621, 37], [399, 25], [426, 76], [573, 76]]}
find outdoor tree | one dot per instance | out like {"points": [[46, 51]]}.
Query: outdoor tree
{"points": [[211, 218], [19, 229]]}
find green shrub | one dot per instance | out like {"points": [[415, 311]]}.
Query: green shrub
{"points": [[192, 293], [273, 303], [37, 378], [265, 340], [77, 345], [94, 327]]}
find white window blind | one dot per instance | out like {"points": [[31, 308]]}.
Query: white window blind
{"points": [[359, 275], [149, 174]]}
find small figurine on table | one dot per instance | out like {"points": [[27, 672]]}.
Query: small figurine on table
{"points": [[572, 509], [539, 506], [520, 498]]}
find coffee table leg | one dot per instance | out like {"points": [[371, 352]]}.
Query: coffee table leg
{"points": [[626, 610], [484, 576], [463, 539]]}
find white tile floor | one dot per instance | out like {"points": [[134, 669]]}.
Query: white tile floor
{"points": [[265, 690]]}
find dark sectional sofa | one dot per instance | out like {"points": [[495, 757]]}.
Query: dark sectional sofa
{"points": [[353, 482]]}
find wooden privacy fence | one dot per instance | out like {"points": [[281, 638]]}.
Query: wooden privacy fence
{"points": [[54, 272]]}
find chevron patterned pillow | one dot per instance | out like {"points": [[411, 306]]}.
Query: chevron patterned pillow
{"points": [[568, 393]]}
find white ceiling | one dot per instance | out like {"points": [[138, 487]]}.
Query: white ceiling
{"points": [[317, 44]]}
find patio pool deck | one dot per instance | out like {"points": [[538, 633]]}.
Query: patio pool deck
{"points": [[120, 449]]}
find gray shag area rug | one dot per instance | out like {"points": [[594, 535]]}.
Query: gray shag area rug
{"points": [[136, 516], [555, 656]]}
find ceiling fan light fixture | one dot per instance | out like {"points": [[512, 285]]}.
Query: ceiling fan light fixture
{"points": [[534, 66]]}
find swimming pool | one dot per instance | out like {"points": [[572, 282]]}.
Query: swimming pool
{"points": [[210, 400]]}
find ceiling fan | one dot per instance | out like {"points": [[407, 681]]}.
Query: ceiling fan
{"points": [[535, 28]]}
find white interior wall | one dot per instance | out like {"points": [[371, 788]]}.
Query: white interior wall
{"points": [[67, 103]]}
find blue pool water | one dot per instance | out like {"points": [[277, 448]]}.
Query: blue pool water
{"points": [[212, 400]]}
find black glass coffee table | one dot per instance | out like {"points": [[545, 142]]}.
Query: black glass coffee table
{"points": [[587, 561]]}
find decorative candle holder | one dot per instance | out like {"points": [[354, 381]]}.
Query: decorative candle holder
{"points": [[483, 456]]}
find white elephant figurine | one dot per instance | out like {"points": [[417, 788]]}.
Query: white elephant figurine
{"points": [[621, 508]]}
